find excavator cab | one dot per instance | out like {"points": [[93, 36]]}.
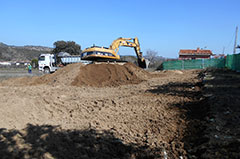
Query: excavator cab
{"points": [[96, 53]]}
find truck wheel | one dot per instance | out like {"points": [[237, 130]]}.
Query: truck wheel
{"points": [[46, 70]]}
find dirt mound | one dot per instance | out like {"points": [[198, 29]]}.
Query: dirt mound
{"points": [[64, 76], [99, 75]]}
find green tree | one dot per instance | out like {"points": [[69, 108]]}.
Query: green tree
{"points": [[34, 63], [67, 46]]}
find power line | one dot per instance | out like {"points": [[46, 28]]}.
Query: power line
{"points": [[230, 41]]}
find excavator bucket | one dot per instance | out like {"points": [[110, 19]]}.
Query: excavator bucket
{"points": [[142, 63]]}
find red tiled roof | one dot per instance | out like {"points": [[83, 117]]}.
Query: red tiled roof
{"points": [[195, 52]]}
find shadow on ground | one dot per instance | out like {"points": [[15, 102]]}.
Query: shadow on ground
{"points": [[184, 89], [46, 141], [193, 111], [212, 112]]}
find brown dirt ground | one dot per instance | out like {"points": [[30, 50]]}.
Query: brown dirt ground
{"points": [[134, 114], [124, 120], [214, 130]]}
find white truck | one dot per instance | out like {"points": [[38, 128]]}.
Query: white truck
{"points": [[49, 63]]}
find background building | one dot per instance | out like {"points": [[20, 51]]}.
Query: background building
{"points": [[195, 54]]}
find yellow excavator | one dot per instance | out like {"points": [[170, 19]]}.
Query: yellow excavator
{"points": [[104, 54]]}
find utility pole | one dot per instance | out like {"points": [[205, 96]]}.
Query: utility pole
{"points": [[235, 43]]}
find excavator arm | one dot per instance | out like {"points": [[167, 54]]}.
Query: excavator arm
{"points": [[129, 42]]}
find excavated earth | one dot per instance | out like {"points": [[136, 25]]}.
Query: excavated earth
{"points": [[103, 111]]}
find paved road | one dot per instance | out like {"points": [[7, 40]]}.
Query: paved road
{"points": [[6, 73]]}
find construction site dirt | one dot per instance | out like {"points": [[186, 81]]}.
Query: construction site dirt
{"points": [[120, 111]]}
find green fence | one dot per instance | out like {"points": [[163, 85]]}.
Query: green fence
{"points": [[233, 62], [193, 64]]}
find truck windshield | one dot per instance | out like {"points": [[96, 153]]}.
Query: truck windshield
{"points": [[41, 58]]}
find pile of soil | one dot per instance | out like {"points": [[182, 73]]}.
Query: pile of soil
{"points": [[97, 75], [63, 76], [100, 75]]}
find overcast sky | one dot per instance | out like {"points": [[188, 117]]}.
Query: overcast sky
{"points": [[165, 26]]}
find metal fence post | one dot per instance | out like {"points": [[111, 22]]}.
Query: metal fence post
{"points": [[203, 63]]}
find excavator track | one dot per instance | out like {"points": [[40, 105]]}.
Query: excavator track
{"points": [[114, 63], [109, 61]]}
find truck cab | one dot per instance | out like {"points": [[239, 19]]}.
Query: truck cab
{"points": [[47, 63]]}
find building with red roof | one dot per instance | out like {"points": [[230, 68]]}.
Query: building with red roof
{"points": [[195, 54]]}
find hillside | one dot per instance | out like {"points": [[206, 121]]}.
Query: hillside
{"points": [[21, 53]]}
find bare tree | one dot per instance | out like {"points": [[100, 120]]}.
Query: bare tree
{"points": [[151, 55]]}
